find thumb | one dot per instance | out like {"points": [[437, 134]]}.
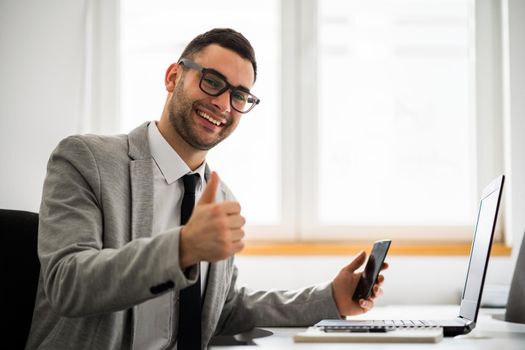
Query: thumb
{"points": [[357, 262], [208, 196]]}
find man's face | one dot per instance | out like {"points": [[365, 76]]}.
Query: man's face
{"points": [[203, 121]]}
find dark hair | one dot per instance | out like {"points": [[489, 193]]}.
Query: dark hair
{"points": [[224, 37]]}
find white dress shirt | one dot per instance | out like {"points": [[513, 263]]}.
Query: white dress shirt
{"points": [[154, 317]]}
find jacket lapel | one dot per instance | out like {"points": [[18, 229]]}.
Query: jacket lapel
{"points": [[141, 198], [141, 179]]}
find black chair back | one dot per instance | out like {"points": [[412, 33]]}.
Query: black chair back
{"points": [[20, 261]]}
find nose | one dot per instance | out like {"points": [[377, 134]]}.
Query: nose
{"points": [[222, 102]]}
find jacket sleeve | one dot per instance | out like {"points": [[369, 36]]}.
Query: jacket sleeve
{"points": [[81, 275], [245, 309]]}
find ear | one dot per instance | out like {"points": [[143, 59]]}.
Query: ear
{"points": [[172, 76]]}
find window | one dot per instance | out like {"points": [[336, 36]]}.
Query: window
{"points": [[395, 114], [367, 122]]}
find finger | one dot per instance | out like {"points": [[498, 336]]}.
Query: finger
{"points": [[237, 235], [236, 221], [380, 279], [366, 304], [377, 291], [356, 263], [237, 246], [384, 266], [231, 207], [208, 195]]}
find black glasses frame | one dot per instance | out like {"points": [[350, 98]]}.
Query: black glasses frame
{"points": [[190, 64]]}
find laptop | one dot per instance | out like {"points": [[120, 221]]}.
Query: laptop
{"points": [[472, 291]]}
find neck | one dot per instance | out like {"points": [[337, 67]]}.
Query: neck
{"points": [[192, 157]]}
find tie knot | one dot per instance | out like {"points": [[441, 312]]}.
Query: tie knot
{"points": [[190, 182]]}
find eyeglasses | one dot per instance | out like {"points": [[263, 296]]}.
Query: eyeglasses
{"points": [[214, 83]]}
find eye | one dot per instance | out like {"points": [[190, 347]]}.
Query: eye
{"points": [[239, 96], [212, 82]]}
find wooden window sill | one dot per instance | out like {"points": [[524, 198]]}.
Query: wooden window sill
{"points": [[335, 249]]}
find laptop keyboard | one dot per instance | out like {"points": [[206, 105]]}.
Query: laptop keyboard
{"points": [[382, 326], [408, 323]]}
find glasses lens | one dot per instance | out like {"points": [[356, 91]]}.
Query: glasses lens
{"points": [[212, 84], [242, 101]]}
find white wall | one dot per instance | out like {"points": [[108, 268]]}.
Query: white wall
{"points": [[42, 45], [409, 280], [41, 69]]}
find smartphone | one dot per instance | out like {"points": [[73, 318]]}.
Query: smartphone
{"points": [[372, 268]]}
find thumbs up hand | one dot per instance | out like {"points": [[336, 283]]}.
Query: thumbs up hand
{"points": [[214, 231]]}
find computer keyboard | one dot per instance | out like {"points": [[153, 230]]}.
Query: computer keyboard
{"points": [[380, 326], [409, 323]]}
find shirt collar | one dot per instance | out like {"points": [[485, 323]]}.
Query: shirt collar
{"points": [[170, 164]]}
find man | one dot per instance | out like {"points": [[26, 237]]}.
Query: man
{"points": [[124, 265]]}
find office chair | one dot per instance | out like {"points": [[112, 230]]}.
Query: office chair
{"points": [[19, 261], [516, 302]]}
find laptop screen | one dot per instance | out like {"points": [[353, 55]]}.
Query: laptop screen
{"points": [[480, 250]]}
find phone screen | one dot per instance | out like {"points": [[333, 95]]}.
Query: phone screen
{"points": [[372, 268]]}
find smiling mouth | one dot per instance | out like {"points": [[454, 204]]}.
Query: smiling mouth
{"points": [[206, 116]]}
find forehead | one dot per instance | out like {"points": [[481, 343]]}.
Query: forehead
{"points": [[237, 70]]}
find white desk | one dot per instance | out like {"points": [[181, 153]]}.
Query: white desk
{"points": [[491, 333]]}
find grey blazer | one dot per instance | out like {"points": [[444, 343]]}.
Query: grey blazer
{"points": [[100, 260]]}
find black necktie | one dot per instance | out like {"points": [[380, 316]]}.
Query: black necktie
{"points": [[189, 334]]}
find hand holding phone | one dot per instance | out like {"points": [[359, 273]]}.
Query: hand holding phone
{"points": [[372, 269]]}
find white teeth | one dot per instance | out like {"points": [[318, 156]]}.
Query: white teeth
{"points": [[208, 118]]}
